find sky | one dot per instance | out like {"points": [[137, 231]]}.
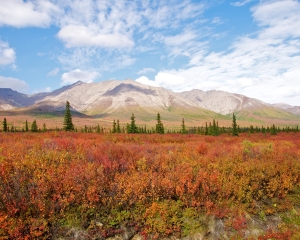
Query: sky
{"points": [[250, 47]]}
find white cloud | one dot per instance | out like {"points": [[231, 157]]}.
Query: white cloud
{"points": [[280, 18], [79, 75], [87, 57], [146, 81], [7, 54], [13, 83], [101, 33], [180, 39], [185, 44], [52, 73], [217, 21], [170, 80], [263, 66], [145, 70], [19, 13], [124, 61], [241, 3], [47, 89], [79, 57], [79, 36], [107, 25], [162, 14]]}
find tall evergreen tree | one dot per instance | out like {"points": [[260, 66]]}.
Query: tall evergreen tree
{"points": [[34, 127], [98, 129], [183, 128], [4, 125], [206, 129], [234, 126], [26, 126], [118, 126], [251, 129], [44, 127], [214, 130], [159, 126], [273, 130], [68, 124], [132, 128], [114, 130]]}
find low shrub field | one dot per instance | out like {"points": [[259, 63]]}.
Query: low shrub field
{"points": [[58, 185]]}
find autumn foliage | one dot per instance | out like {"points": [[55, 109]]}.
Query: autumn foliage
{"points": [[157, 185]]}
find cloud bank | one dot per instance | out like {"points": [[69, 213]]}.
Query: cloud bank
{"points": [[7, 54], [13, 83], [79, 75]]}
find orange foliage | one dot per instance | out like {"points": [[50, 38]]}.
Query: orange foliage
{"points": [[46, 176]]}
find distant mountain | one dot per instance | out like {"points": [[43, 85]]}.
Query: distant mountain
{"points": [[10, 99], [117, 99], [121, 98], [246, 108], [222, 102], [288, 108]]}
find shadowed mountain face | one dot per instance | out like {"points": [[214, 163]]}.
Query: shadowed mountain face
{"points": [[115, 98], [10, 99]]}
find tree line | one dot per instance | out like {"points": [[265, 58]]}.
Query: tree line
{"points": [[210, 128]]}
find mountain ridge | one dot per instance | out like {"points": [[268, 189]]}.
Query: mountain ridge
{"points": [[115, 97]]}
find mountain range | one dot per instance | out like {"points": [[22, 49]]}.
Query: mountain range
{"points": [[118, 99]]}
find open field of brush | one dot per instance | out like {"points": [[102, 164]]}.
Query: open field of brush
{"points": [[58, 185]]}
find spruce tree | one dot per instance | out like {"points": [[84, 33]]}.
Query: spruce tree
{"points": [[183, 128], [234, 126], [132, 128], [118, 126], [34, 127], [214, 129], [26, 126], [263, 130], [206, 129], [98, 129], [4, 125], [251, 129], [114, 130], [68, 124], [44, 127], [273, 130], [159, 126]]}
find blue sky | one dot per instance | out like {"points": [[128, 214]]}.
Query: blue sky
{"points": [[251, 47]]}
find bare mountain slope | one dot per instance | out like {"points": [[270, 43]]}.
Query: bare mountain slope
{"points": [[222, 102], [118, 99], [111, 95], [115, 99], [288, 108], [248, 109]]}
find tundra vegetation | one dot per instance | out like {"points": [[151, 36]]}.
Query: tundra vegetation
{"points": [[68, 185], [71, 185]]}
